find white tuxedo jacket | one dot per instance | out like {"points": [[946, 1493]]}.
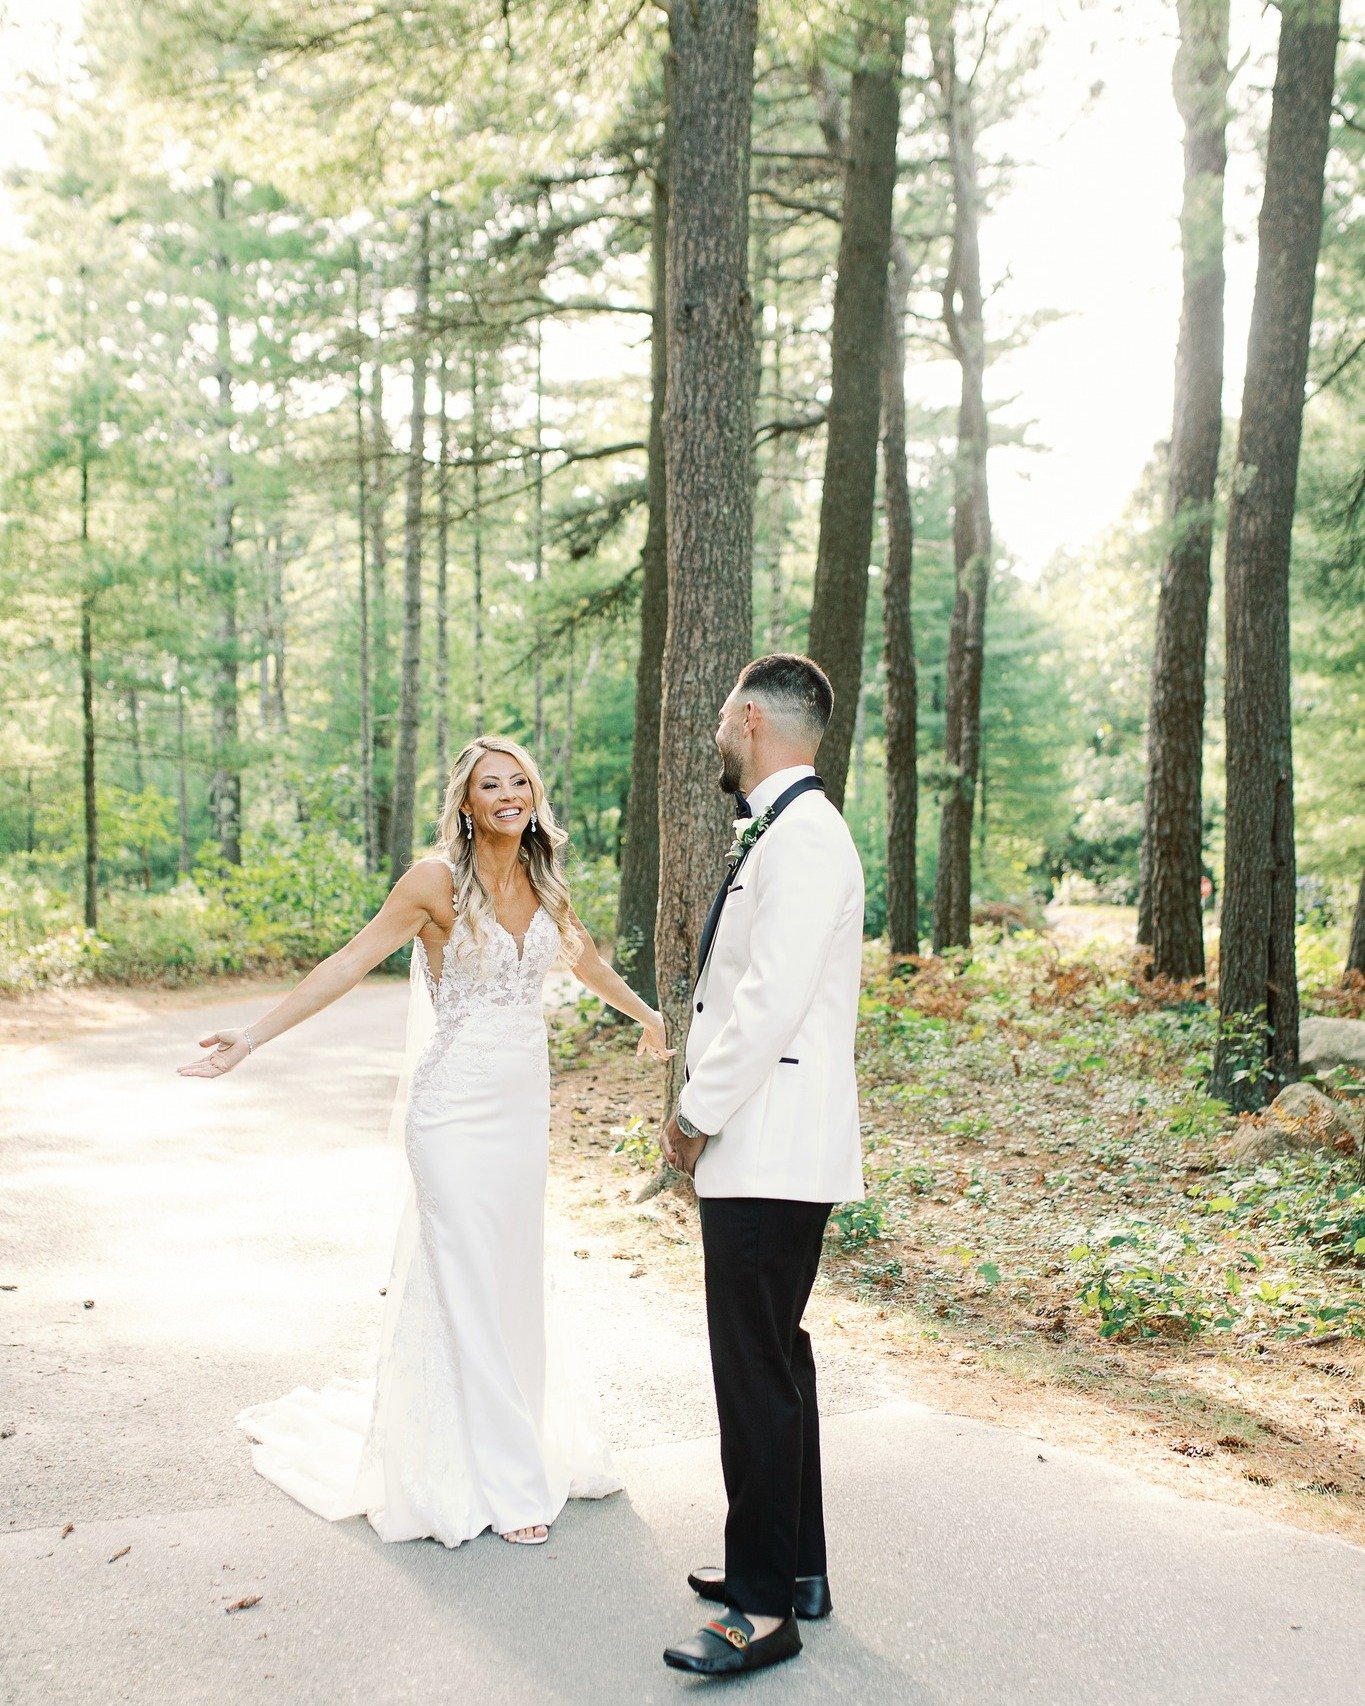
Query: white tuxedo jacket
{"points": [[770, 1050]]}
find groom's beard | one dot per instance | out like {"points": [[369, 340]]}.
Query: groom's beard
{"points": [[729, 774]]}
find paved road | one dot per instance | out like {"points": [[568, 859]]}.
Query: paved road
{"points": [[232, 1238]]}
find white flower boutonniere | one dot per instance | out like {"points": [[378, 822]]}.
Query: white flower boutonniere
{"points": [[747, 832]]}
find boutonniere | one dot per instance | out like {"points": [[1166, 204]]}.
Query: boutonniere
{"points": [[747, 832]]}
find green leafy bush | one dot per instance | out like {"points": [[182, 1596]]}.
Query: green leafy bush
{"points": [[292, 901], [1133, 1278]]}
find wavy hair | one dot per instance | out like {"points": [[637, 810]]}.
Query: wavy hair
{"points": [[539, 851]]}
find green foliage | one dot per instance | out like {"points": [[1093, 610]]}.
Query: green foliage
{"points": [[293, 900], [636, 1143], [856, 1224], [1131, 1277]]}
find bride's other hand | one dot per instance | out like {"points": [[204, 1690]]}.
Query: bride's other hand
{"points": [[654, 1039], [229, 1049]]}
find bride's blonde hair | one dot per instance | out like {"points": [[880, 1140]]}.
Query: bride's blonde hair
{"points": [[539, 851]]}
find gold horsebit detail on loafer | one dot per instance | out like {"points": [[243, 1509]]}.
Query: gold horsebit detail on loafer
{"points": [[736, 1637]]}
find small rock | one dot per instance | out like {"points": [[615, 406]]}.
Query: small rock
{"points": [[7, 1433], [582, 1254], [1325, 1043], [89, 1303], [637, 1273], [1300, 1117]]}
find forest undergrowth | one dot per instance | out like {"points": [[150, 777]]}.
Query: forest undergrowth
{"points": [[1054, 1232]]}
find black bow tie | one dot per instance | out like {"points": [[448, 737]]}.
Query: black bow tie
{"points": [[742, 807]]}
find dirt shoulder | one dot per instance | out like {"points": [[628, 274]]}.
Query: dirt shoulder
{"points": [[1274, 1426]]}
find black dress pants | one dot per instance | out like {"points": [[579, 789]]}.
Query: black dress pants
{"points": [[761, 1257]]}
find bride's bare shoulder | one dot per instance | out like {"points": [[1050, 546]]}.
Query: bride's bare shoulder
{"points": [[428, 883]]}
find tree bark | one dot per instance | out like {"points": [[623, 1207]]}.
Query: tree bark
{"points": [[901, 703], [1355, 954], [89, 795], [707, 433], [182, 782], [848, 494], [362, 483], [1170, 915], [638, 903], [410, 674], [538, 544], [442, 588], [963, 314], [225, 784], [382, 673], [1258, 1039], [476, 524]]}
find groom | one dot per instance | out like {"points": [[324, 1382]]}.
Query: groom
{"points": [[767, 1126]]}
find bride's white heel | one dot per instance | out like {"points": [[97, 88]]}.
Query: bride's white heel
{"points": [[534, 1536]]}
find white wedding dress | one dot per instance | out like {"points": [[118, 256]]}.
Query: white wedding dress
{"points": [[476, 1417]]}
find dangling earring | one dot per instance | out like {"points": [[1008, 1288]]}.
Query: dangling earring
{"points": [[468, 827], [535, 821]]}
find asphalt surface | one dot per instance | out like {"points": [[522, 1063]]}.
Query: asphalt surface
{"points": [[232, 1239]]}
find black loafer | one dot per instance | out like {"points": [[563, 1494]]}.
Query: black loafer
{"points": [[726, 1646], [810, 1597]]}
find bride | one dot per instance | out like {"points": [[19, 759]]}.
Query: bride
{"points": [[474, 1419]]}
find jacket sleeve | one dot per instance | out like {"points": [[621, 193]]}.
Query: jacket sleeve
{"points": [[803, 892]]}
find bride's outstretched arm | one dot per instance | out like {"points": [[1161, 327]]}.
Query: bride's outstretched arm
{"points": [[408, 909], [593, 971]]}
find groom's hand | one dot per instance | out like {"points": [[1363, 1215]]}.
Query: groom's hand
{"points": [[680, 1151]]}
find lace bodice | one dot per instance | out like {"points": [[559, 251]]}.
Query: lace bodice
{"points": [[482, 996]]}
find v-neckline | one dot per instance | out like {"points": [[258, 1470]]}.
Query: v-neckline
{"points": [[520, 946]]}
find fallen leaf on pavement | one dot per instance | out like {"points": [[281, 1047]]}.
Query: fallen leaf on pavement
{"points": [[69, 1529], [122, 1552], [245, 1602]]}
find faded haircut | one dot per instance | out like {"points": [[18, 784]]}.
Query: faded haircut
{"points": [[794, 687]]}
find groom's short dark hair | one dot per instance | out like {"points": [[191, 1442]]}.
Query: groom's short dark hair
{"points": [[794, 684]]}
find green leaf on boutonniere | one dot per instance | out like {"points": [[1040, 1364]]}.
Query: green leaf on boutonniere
{"points": [[747, 831]]}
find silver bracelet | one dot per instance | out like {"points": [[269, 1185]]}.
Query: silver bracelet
{"points": [[250, 1045]]}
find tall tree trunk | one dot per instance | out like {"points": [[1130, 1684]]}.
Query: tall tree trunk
{"points": [[1170, 916], [379, 560], [362, 484], [278, 714], [963, 316], [566, 761], [901, 704], [476, 523], [848, 495], [1355, 954], [182, 782], [707, 433], [538, 545], [1258, 1039], [87, 650], [225, 784], [639, 894], [442, 590], [410, 678], [779, 502]]}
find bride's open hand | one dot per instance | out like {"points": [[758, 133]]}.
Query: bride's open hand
{"points": [[229, 1050], [653, 1042]]}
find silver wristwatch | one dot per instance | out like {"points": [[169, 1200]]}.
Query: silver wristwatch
{"points": [[686, 1127]]}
